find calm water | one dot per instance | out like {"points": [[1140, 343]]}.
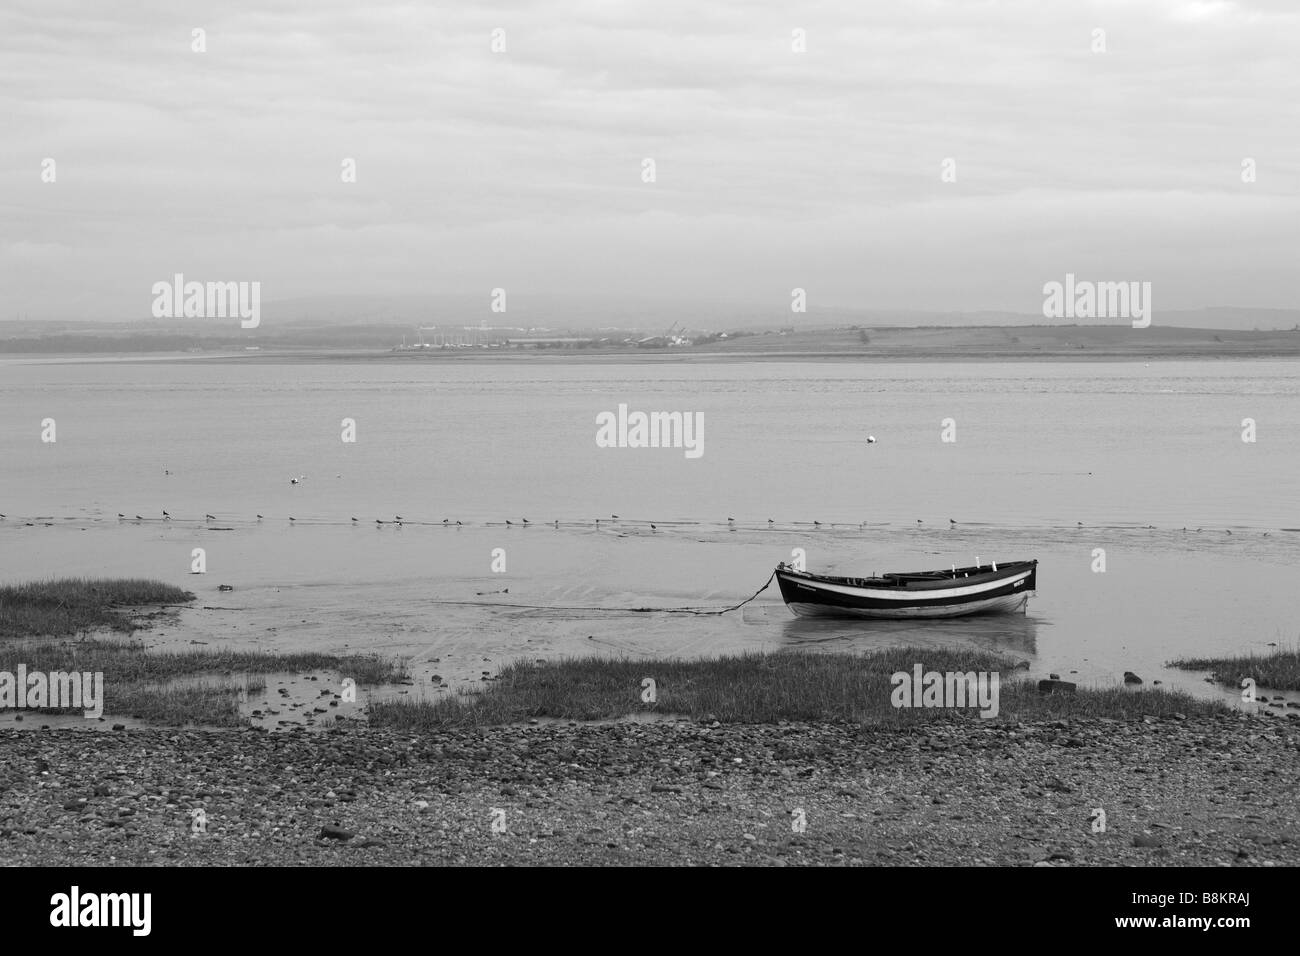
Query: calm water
{"points": [[1039, 449]]}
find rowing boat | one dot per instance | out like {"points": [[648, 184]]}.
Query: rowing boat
{"points": [[982, 589]]}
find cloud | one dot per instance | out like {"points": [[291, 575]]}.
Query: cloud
{"points": [[473, 165]]}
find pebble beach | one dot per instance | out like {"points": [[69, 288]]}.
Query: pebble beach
{"points": [[1201, 790]]}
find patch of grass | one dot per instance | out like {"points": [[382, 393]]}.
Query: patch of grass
{"points": [[208, 704], [66, 606], [212, 705], [130, 661], [761, 688], [134, 677], [1278, 669]]}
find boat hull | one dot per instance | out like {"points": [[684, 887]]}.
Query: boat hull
{"points": [[921, 595]]}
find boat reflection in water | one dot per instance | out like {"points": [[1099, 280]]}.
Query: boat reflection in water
{"points": [[1015, 635]]}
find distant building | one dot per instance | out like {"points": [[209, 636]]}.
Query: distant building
{"points": [[550, 341]]}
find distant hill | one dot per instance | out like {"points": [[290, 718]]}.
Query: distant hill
{"points": [[1072, 342], [865, 343], [368, 323], [652, 317], [612, 314]]}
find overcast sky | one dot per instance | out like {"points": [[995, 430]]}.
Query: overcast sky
{"points": [[775, 169]]}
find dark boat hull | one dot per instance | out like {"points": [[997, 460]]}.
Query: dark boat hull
{"points": [[923, 594]]}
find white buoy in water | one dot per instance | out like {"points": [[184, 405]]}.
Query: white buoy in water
{"points": [[871, 439]]}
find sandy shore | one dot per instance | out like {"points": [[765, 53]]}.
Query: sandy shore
{"points": [[1206, 791]]}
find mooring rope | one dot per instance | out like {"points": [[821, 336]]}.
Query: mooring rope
{"points": [[616, 610]]}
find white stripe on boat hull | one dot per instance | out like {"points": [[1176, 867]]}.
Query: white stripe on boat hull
{"points": [[999, 605]]}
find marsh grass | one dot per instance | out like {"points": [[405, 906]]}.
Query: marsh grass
{"points": [[1279, 669], [66, 606], [761, 688], [137, 681], [207, 704], [130, 661]]}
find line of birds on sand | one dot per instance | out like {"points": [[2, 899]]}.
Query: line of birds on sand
{"points": [[731, 522], [396, 519], [524, 522]]}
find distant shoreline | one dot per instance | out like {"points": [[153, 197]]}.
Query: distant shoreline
{"points": [[894, 345], [327, 357]]}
